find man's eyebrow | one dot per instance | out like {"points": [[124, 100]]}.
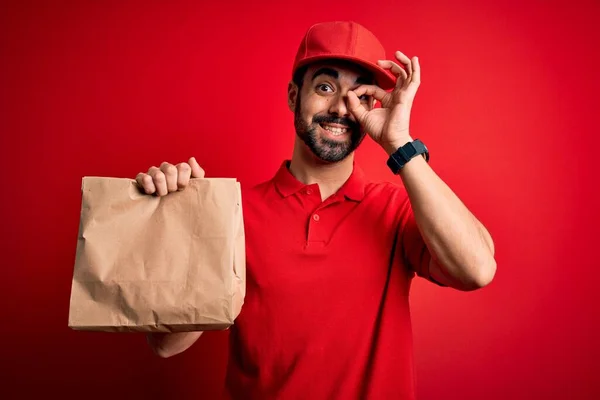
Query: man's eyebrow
{"points": [[326, 71], [361, 80]]}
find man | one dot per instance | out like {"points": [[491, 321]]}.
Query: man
{"points": [[330, 255]]}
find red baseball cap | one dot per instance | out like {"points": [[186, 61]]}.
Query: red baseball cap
{"points": [[344, 40]]}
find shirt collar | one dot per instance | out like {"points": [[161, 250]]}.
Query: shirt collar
{"points": [[287, 184]]}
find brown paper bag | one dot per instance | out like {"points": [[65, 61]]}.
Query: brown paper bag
{"points": [[158, 264]]}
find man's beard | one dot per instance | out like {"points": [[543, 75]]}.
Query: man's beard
{"points": [[324, 148]]}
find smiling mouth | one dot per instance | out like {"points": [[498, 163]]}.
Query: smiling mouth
{"points": [[335, 130]]}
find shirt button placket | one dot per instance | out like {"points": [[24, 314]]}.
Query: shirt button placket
{"points": [[315, 232]]}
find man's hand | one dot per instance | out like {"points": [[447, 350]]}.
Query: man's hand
{"points": [[169, 178], [389, 125]]}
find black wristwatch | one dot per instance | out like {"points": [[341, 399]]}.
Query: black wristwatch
{"points": [[406, 153]]}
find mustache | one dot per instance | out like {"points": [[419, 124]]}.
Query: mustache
{"points": [[330, 119]]}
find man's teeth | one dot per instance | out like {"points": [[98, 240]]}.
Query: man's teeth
{"points": [[336, 131]]}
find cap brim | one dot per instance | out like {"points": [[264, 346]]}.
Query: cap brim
{"points": [[384, 78]]}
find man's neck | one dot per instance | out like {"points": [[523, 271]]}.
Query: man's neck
{"points": [[329, 176]]}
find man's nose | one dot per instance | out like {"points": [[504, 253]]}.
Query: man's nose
{"points": [[339, 105]]}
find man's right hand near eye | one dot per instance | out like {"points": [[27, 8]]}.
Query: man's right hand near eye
{"points": [[168, 177], [162, 181]]}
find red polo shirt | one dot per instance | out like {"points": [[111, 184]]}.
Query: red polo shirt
{"points": [[326, 314]]}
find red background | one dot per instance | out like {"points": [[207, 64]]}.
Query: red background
{"points": [[507, 106]]}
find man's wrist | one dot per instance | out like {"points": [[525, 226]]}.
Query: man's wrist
{"points": [[391, 147], [403, 154]]}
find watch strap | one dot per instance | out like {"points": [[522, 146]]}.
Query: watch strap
{"points": [[406, 153]]}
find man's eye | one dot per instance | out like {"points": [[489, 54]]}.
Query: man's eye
{"points": [[324, 87]]}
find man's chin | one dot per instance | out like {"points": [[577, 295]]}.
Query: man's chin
{"points": [[330, 156], [325, 150]]}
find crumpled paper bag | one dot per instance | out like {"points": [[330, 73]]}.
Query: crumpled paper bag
{"points": [[158, 264]]}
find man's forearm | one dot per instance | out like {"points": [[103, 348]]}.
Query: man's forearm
{"points": [[169, 344], [459, 243]]}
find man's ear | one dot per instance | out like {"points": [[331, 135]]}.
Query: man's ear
{"points": [[292, 96]]}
